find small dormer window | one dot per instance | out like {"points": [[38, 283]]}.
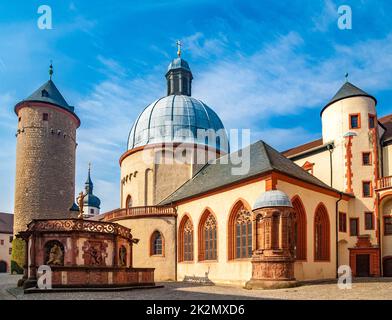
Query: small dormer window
{"points": [[45, 117], [44, 93]]}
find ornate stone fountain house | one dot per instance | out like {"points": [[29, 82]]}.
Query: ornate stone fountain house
{"points": [[82, 253]]}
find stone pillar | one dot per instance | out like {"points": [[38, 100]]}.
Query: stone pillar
{"points": [[32, 280], [115, 251], [273, 261]]}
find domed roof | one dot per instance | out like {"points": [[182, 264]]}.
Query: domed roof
{"points": [[178, 63], [177, 119], [91, 200], [272, 198]]}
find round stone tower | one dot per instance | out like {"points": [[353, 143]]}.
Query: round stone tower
{"points": [[45, 157]]}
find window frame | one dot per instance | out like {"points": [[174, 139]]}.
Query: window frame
{"points": [[372, 116], [208, 238], [385, 223], [181, 239], [358, 115], [240, 207], [357, 227], [342, 215], [153, 238], [321, 214], [45, 116], [370, 158], [370, 189], [365, 216]]}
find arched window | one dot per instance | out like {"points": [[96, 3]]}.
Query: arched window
{"points": [[207, 237], [321, 234], [185, 237], [156, 244], [240, 232], [128, 203], [299, 228]]}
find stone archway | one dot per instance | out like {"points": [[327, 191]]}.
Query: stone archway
{"points": [[3, 267]]}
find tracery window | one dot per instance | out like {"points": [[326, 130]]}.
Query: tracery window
{"points": [[321, 234], [185, 240], [208, 237], [243, 234], [299, 229]]}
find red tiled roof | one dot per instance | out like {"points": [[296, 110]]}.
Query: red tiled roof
{"points": [[303, 148], [386, 121]]}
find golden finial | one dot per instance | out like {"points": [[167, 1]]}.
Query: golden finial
{"points": [[50, 70], [179, 48]]}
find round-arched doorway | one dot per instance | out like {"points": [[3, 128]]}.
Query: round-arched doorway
{"points": [[3, 267]]}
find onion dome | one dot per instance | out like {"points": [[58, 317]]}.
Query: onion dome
{"points": [[272, 198], [348, 90], [90, 200], [178, 117]]}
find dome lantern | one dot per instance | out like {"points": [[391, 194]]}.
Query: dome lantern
{"points": [[179, 76]]}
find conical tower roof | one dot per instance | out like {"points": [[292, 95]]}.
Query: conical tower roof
{"points": [[49, 93], [348, 90]]}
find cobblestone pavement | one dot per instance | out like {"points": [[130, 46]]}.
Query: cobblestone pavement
{"points": [[364, 289]]}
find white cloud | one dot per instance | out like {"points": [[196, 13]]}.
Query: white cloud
{"points": [[327, 17], [107, 114], [281, 79], [200, 46]]}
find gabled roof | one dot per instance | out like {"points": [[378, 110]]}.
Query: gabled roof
{"points": [[49, 93], [348, 90], [6, 223], [262, 159]]}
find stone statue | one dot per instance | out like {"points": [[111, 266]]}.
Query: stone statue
{"points": [[123, 256], [79, 200], [55, 256]]}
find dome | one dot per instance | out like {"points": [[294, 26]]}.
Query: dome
{"points": [[177, 119], [273, 198], [178, 63], [91, 201]]}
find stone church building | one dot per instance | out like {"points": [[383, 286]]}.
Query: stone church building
{"points": [[196, 218]]}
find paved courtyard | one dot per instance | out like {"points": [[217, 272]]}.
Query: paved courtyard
{"points": [[364, 289]]}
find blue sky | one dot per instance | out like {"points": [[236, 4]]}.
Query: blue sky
{"points": [[265, 65]]}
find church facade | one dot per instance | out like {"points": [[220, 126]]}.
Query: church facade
{"points": [[195, 219], [314, 208]]}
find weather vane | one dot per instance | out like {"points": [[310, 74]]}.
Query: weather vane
{"points": [[346, 76], [51, 70], [179, 48]]}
